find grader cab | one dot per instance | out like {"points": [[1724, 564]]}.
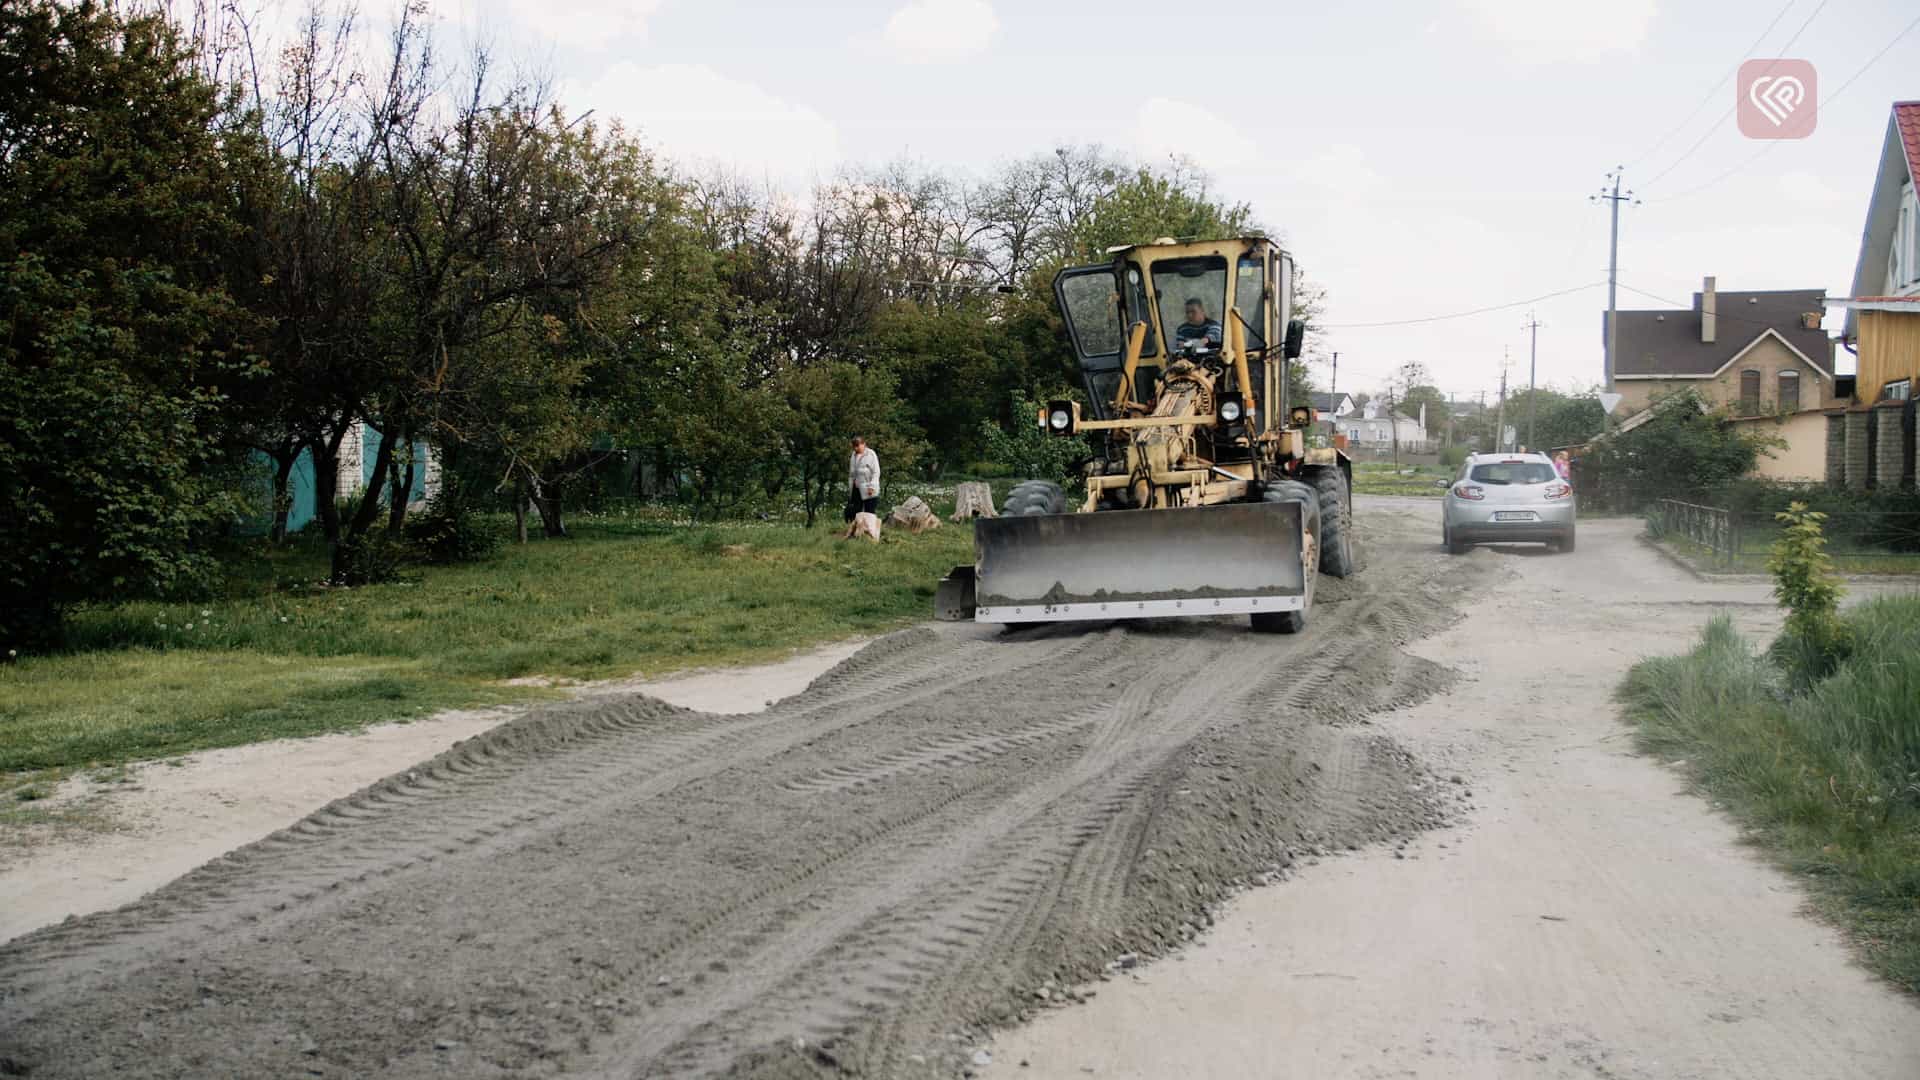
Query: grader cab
{"points": [[1202, 495]]}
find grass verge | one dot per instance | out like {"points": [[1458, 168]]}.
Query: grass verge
{"points": [[280, 656], [1384, 478], [1827, 782]]}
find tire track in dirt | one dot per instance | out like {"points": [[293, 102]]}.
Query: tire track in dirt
{"points": [[393, 826], [622, 889]]}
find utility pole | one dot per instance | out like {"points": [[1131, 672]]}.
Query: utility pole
{"points": [[1333, 390], [1500, 417], [1393, 426], [1532, 326], [1614, 198]]}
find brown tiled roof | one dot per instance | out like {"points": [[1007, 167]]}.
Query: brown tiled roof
{"points": [[1906, 117], [1668, 342]]}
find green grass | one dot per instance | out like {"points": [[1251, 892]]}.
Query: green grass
{"points": [[1751, 558], [1383, 478], [280, 656], [1827, 782]]}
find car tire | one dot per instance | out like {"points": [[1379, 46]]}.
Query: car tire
{"points": [[1454, 547], [1033, 497], [1566, 542], [1336, 519]]}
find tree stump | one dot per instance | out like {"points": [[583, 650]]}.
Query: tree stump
{"points": [[913, 516], [972, 499]]}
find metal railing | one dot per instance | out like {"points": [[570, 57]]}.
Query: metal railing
{"points": [[1709, 527], [1859, 541]]}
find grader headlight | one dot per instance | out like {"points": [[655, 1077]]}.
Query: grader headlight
{"points": [[1300, 417], [1231, 409], [1060, 417]]}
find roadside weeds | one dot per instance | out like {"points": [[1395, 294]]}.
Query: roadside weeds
{"points": [[1826, 782]]}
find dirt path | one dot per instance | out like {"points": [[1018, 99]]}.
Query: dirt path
{"points": [[940, 829], [166, 818], [1589, 920], [946, 832]]}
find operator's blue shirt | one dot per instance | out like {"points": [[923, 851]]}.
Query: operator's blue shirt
{"points": [[1209, 330]]}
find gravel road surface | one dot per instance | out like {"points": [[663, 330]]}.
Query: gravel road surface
{"points": [[947, 833]]}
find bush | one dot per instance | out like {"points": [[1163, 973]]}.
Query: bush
{"points": [[1815, 640], [1677, 454], [450, 532], [1453, 456], [1827, 779], [1030, 453], [371, 560]]}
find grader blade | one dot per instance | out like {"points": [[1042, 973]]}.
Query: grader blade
{"points": [[1141, 564]]}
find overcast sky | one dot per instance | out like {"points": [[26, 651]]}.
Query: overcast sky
{"points": [[1419, 158]]}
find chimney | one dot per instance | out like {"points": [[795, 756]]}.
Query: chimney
{"points": [[1709, 308]]}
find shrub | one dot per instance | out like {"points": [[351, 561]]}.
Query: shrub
{"points": [[1815, 639], [449, 532], [1453, 456], [371, 560], [1030, 453]]}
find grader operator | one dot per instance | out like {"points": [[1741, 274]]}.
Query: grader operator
{"points": [[1202, 495]]}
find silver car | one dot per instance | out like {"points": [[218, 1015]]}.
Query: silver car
{"points": [[1507, 498]]}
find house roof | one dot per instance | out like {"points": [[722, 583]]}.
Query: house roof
{"points": [[1899, 164], [1328, 404], [1657, 344]]}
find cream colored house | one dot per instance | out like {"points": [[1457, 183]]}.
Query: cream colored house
{"points": [[1755, 353]]}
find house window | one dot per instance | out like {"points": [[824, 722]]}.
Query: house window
{"points": [[1789, 391], [1749, 392]]}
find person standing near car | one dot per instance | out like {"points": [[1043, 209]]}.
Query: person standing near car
{"points": [[1561, 466], [863, 479]]}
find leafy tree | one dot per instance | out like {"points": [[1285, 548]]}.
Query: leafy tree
{"points": [[825, 405], [1151, 203], [118, 343], [1028, 451], [1684, 448]]}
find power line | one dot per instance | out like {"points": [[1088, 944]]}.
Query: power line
{"points": [[1721, 123], [1677, 128], [1775, 143], [1462, 314]]}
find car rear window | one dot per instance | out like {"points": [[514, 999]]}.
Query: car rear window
{"points": [[1513, 472]]}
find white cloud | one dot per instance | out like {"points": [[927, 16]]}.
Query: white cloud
{"points": [[941, 29], [696, 115], [587, 23], [1553, 30], [1168, 128]]}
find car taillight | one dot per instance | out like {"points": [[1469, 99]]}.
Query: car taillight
{"points": [[1559, 491], [1468, 491]]}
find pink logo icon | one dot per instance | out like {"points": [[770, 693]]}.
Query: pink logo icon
{"points": [[1779, 99]]}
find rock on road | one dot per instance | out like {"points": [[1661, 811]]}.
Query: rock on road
{"points": [[948, 832]]}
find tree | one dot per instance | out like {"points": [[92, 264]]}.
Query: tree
{"points": [[825, 405], [118, 344], [1685, 448]]}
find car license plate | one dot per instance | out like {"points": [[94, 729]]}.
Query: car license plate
{"points": [[1513, 515]]}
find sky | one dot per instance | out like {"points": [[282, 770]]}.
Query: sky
{"points": [[1417, 158]]}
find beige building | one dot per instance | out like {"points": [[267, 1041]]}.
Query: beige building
{"points": [[1754, 353]]}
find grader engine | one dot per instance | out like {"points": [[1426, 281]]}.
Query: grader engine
{"points": [[1201, 495]]}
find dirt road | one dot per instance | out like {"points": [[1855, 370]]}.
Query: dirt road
{"points": [[948, 831], [1590, 919]]}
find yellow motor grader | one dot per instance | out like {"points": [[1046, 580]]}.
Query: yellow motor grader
{"points": [[1202, 495]]}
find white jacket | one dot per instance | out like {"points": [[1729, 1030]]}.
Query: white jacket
{"points": [[863, 473]]}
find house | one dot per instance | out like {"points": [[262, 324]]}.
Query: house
{"points": [[1332, 406], [1871, 442], [1761, 355], [359, 450], [1372, 429]]}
